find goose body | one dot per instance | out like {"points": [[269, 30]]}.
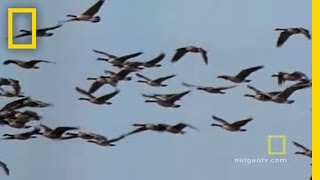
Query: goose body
{"points": [[180, 52], [236, 126], [97, 100], [242, 75], [168, 102], [154, 82]]}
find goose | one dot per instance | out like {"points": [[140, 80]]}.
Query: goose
{"points": [[288, 32], [26, 64], [154, 62], [5, 168], [56, 133], [154, 82], [173, 129], [17, 124], [236, 126], [132, 66], [104, 141], [305, 152], [98, 83], [180, 52], [178, 128], [25, 102], [84, 135], [15, 84], [97, 100], [116, 61], [115, 78], [241, 77], [164, 96], [259, 95], [213, 90], [285, 76], [88, 15], [282, 97], [22, 136], [27, 115], [168, 102], [39, 32]]}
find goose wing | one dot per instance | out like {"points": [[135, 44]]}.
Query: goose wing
{"points": [[104, 53], [283, 37], [108, 96], [83, 92], [94, 9], [288, 91], [63, 129], [301, 146], [241, 122], [204, 56], [220, 120], [246, 72], [179, 53], [177, 97], [181, 126], [156, 60], [5, 168], [129, 56], [143, 77], [51, 28], [161, 79], [95, 86]]}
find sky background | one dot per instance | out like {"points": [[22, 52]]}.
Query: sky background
{"points": [[236, 34]]}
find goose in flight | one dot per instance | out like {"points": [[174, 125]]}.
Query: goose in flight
{"points": [[180, 52], [97, 100], [56, 133], [15, 84], [282, 97], [5, 168], [294, 76], [40, 32], [112, 79], [22, 136], [173, 129], [259, 95], [117, 61], [154, 62], [104, 141], [306, 152], [154, 82], [24, 102], [241, 77], [26, 64], [88, 15], [208, 89], [286, 33], [236, 126], [168, 102]]}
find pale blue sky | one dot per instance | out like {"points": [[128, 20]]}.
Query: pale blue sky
{"points": [[236, 34]]}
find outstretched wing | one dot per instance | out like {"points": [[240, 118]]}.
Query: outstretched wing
{"points": [[246, 72], [179, 53], [241, 123], [301, 146], [94, 9], [220, 120], [283, 37], [160, 80]]}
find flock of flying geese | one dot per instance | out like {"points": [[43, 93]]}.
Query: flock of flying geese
{"points": [[11, 114]]}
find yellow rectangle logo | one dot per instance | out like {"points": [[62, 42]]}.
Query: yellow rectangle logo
{"points": [[284, 142], [33, 12]]}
